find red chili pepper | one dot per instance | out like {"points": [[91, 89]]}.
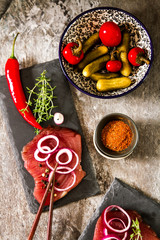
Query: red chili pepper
{"points": [[15, 87], [114, 65], [73, 52], [136, 56]]}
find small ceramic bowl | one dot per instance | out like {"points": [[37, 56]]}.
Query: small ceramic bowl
{"points": [[104, 151]]}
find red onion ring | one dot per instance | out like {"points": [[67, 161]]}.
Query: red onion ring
{"points": [[119, 219], [108, 222], [58, 170], [39, 159], [70, 169], [65, 189], [49, 165], [106, 233], [62, 151], [43, 139], [111, 236], [47, 150]]}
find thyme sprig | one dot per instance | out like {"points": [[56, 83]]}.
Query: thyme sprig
{"points": [[43, 103], [136, 235]]}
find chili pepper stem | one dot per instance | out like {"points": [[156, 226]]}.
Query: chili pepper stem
{"points": [[12, 55], [76, 51], [143, 59], [113, 54]]}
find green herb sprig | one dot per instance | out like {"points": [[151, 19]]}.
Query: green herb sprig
{"points": [[136, 235], [43, 102]]}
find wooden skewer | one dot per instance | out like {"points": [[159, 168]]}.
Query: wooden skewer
{"points": [[35, 223], [49, 228]]}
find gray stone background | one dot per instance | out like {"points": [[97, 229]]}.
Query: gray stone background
{"points": [[41, 24]]}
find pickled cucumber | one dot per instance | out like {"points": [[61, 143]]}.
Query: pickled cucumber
{"points": [[99, 51], [95, 66], [97, 76], [113, 84], [90, 42], [124, 46], [123, 54], [126, 67]]}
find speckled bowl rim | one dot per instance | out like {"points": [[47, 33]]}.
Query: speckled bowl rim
{"points": [[123, 155], [70, 80]]}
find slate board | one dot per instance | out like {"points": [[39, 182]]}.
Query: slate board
{"points": [[20, 132], [127, 197]]}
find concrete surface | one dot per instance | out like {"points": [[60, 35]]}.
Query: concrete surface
{"points": [[41, 24]]}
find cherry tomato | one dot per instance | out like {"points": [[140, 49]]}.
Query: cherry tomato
{"points": [[110, 34], [73, 53], [114, 66]]}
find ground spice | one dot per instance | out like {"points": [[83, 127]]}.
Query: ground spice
{"points": [[116, 135]]}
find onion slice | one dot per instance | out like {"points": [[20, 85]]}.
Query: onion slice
{"points": [[69, 170], [39, 144], [48, 152], [58, 118], [50, 167], [108, 209], [111, 236], [39, 159], [66, 188], [113, 219], [64, 151]]}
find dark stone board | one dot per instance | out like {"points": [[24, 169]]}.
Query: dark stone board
{"points": [[127, 197], [20, 132]]}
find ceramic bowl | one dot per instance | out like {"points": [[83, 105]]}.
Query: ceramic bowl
{"points": [[89, 22], [107, 153]]}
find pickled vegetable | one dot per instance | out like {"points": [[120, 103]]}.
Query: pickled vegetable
{"points": [[110, 34], [95, 66], [113, 84], [92, 56], [124, 46], [136, 57], [90, 42], [126, 67], [97, 76], [114, 65]]}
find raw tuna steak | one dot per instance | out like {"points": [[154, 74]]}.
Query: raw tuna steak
{"points": [[39, 170]]}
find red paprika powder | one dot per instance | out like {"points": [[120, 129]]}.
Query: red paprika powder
{"points": [[116, 135]]}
